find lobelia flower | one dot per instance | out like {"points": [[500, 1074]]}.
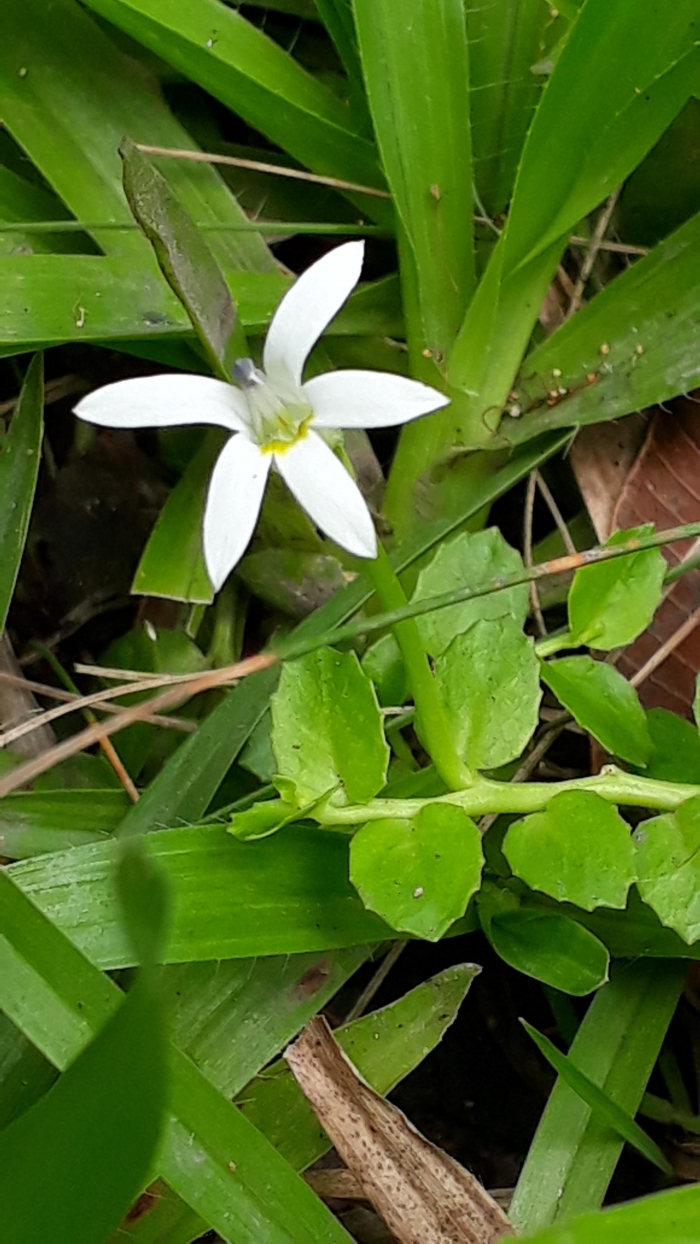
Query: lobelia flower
{"points": [[277, 419]]}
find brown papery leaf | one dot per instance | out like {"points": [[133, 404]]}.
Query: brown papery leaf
{"points": [[646, 469], [424, 1196], [664, 487]]}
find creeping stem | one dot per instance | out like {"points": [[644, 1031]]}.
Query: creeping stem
{"points": [[431, 722], [484, 796]]}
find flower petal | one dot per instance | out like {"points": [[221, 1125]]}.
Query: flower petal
{"points": [[233, 503], [329, 494], [307, 309], [165, 401], [369, 399]]}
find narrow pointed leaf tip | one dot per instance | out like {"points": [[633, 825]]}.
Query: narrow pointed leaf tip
{"points": [[274, 416]]}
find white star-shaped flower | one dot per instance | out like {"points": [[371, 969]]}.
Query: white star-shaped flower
{"points": [[276, 419]]}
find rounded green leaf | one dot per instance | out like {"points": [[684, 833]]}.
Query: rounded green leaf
{"points": [[384, 664], [675, 748], [472, 559], [578, 850], [611, 603], [327, 728], [668, 863], [418, 874], [552, 948], [604, 703], [489, 682]]}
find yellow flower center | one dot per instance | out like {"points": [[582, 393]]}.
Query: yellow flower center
{"points": [[277, 419]]}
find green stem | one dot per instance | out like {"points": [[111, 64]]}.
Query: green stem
{"points": [[291, 647], [431, 721], [552, 644], [485, 796]]}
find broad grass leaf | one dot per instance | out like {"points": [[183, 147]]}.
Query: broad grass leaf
{"points": [[604, 703], [664, 1218], [231, 900], [93, 1135], [489, 683], [59, 1000], [172, 563], [184, 258], [578, 850], [39, 821], [20, 451], [575, 1151], [418, 874], [668, 863], [327, 729], [416, 69], [652, 305], [470, 559], [384, 1046], [611, 603], [594, 124], [258, 80], [506, 41]]}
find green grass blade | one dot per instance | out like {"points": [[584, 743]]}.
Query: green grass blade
{"points": [[647, 317], [94, 1133], [25, 1074], [283, 895], [172, 563], [582, 143], [20, 452], [92, 1136], [575, 1151], [585, 141], [238, 64], [337, 16], [160, 1218], [187, 783], [60, 1001], [599, 1102], [256, 1192], [667, 1218], [506, 39], [232, 1017], [52, 299], [185, 260], [68, 97], [384, 1047], [32, 822], [416, 68], [22, 202]]}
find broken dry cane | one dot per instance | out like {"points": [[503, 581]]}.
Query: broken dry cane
{"points": [[424, 1196]]}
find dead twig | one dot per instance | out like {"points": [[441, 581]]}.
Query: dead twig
{"points": [[102, 730], [593, 248], [183, 724], [684, 630], [258, 166], [527, 550]]}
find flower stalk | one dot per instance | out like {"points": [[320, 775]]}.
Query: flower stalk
{"points": [[431, 721]]}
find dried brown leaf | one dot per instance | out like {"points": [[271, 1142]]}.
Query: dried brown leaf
{"points": [[424, 1196], [663, 485], [601, 457]]}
